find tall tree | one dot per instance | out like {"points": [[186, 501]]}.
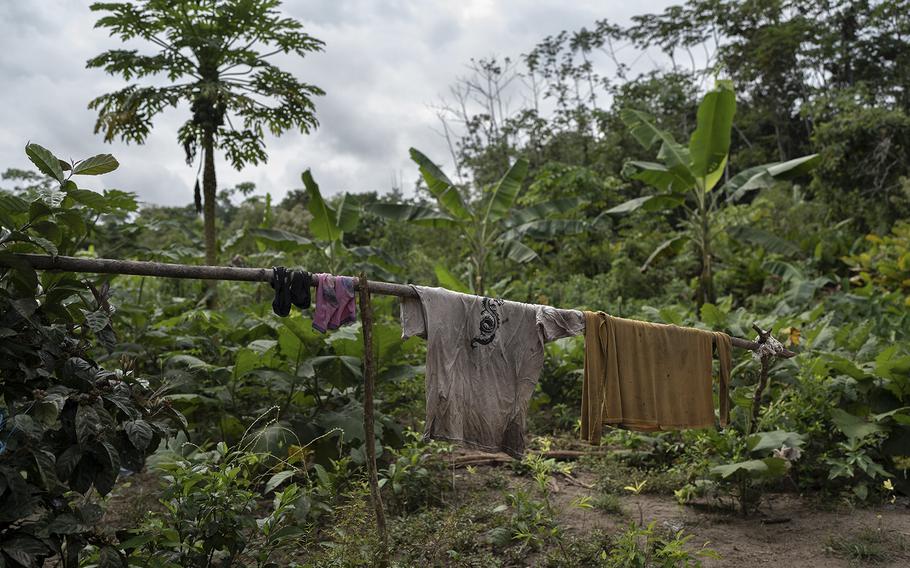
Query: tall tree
{"points": [[214, 55]]}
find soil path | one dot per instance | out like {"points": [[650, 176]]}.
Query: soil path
{"points": [[802, 541]]}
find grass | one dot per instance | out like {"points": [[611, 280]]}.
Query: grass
{"points": [[867, 546], [614, 475], [608, 503]]}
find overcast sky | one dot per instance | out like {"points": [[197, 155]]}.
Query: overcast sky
{"points": [[385, 62]]}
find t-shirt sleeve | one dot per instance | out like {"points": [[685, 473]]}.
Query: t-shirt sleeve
{"points": [[413, 321], [555, 323]]}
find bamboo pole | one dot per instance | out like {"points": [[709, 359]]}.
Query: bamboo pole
{"points": [[369, 380], [167, 270]]}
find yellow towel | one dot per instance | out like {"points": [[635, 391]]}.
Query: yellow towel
{"points": [[647, 376]]}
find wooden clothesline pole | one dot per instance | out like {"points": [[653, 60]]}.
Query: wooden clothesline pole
{"points": [[369, 381], [167, 270]]}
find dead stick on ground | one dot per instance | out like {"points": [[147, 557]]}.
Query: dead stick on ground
{"points": [[481, 458], [369, 377]]}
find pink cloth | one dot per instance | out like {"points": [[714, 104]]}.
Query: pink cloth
{"points": [[335, 305]]}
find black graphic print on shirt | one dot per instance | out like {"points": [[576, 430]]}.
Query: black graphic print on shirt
{"points": [[489, 322]]}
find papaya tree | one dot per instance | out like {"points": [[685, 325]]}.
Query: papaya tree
{"points": [[687, 178], [490, 223], [212, 55]]}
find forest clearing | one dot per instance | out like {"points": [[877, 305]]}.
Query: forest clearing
{"points": [[641, 299]]}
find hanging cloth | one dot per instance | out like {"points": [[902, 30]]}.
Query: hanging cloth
{"points": [[484, 357], [291, 287], [647, 376], [335, 304]]}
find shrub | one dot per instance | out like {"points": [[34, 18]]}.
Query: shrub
{"points": [[67, 425]]}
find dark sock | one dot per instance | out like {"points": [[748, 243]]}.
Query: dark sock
{"points": [[280, 282], [300, 289]]}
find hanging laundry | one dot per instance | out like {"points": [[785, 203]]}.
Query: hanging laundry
{"points": [[335, 304], [291, 287], [648, 376], [484, 357]]}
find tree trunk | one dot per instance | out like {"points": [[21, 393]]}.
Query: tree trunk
{"points": [[209, 193], [705, 292]]}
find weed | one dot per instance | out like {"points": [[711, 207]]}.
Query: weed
{"points": [[608, 503], [416, 476], [646, 546], [867, 546]]}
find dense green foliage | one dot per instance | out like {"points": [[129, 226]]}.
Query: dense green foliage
{"points": [[98, 373]]}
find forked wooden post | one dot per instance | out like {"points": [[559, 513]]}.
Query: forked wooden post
{"points": [[369, 379], [762, 378]]}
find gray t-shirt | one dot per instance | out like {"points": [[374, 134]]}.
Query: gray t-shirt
{"points": [[484, 357]]}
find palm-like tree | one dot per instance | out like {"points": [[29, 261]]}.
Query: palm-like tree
{"points": [[214, 55]]}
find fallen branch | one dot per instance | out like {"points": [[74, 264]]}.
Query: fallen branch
{"points": [[485, 458]]}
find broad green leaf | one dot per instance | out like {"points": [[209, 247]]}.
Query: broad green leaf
{"points": [[349, 420], [629, 206], [445, 192], [120, 200], [893, 363], [448, 280], [323, 225], [542, 210], [711, 180], [277, 480], [713, 316], [417, 214], [93, 200], [24, 549], [96, 165], [641, 127], [545, 228], [12, 203], [751, 467], [774, 440], [46, 245], [768, 241], [852, 426], [341, 370], [752, 178], [376, 254], [348, 213], [504, 193], [45, 161], [245, 361], [673, 244], [657, 176], [674, 155], [140, 433], [794, 168], [710, 143], [518, 252], [280, 239], [763, 176], [766, 468], [663, 202]]}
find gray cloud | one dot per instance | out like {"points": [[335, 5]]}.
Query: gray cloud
{"points": [[384, 63]]}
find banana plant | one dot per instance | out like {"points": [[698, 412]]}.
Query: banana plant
{"points": [[687, 177], [327, 228], [490, 224]]}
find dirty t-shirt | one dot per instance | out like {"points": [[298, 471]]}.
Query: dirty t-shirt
{"points": [[484, 357]]}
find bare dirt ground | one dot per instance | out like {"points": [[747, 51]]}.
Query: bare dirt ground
{"points": [[790, 531]]}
